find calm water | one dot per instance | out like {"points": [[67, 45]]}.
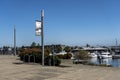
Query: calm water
{"points": [[108, 61]]}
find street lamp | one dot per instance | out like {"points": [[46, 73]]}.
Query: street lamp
{"points": [[40, 32]]}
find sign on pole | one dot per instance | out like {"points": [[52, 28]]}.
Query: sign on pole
{"points": [[38, 28]]}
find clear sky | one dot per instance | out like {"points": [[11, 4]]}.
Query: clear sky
{"points": [[70, 22]]}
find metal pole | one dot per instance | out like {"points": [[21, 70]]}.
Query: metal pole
{"points": [[14, 40], [116, 42], [42, 35], [53, 55]]}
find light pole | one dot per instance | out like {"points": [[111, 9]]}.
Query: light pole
{"points": [[53, 53], [14, 40], [40, 32], [42, 35]]}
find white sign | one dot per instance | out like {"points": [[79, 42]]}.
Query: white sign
{"points": [[38, 28]]}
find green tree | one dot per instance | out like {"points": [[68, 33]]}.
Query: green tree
{"points": [[33, 44], [87, 45], [67, 49], [81, 55], [58, 48], [38, 45]]}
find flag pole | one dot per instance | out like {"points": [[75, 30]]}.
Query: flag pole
{"points": [[42, 35]]}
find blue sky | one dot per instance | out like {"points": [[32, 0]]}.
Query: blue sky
{"points": [[70, 22]]}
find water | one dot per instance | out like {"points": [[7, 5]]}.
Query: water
{"points": [[107, 61]]}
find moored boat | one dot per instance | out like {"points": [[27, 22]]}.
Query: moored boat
{"points": [[106, 55], [93, 54]]}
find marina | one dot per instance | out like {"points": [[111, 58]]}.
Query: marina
{"points": [[107, 56], [100, 55], [107, 61]]}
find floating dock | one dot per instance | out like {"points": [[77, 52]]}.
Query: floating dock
{"points": [[115, 56]]}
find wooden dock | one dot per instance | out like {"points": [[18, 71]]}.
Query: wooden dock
{"points": [[115, 56]]}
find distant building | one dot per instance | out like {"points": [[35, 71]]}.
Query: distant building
{"points": [[115, 49]]}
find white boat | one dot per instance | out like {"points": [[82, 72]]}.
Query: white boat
{"points": [[93, 55], [105, 55]]}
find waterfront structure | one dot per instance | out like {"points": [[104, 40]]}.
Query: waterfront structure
{"points": [[115, 50]]}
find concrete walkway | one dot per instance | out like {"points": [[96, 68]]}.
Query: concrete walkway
{"points": [[85, 72], [11, 68]]}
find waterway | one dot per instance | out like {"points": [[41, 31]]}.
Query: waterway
{"points": [[107, 61]]}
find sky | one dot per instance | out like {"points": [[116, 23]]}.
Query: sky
{"points": [[69, 22]]}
